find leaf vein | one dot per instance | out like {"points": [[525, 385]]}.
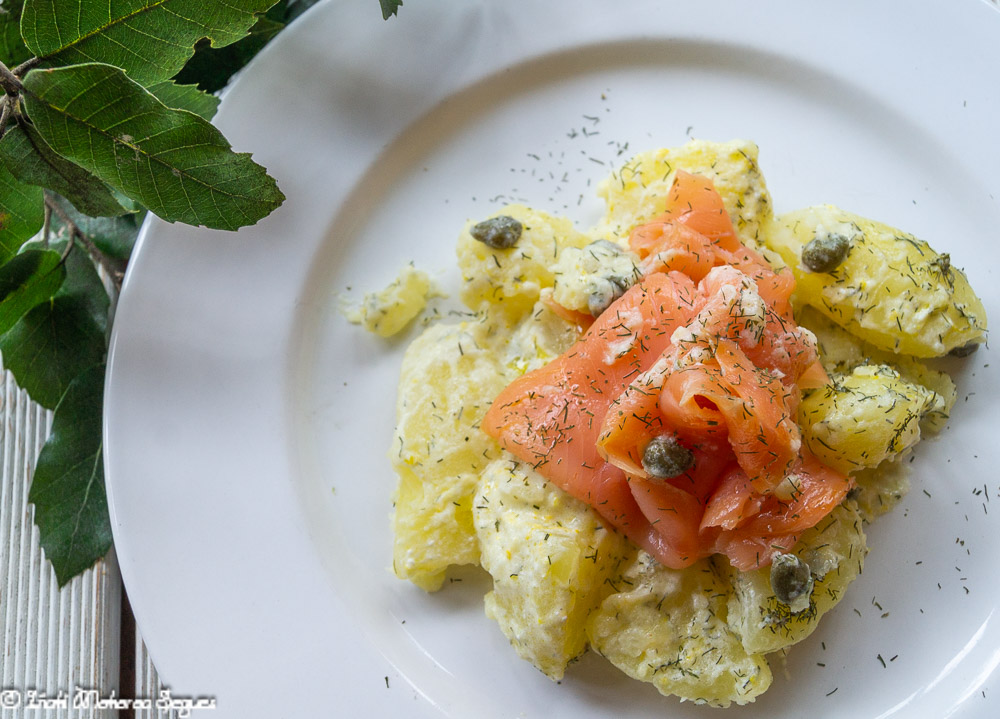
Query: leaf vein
{"points": [[86, 495], [96, 31]]}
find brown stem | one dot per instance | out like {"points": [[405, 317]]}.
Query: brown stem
{"points": [[47, 226], [8, 81], [5, 112], [114, 272], [25, 66]]}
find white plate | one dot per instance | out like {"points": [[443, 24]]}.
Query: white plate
{"points": [[247, 423]]}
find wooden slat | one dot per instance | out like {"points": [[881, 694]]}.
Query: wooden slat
{"points": [[147, 683]]}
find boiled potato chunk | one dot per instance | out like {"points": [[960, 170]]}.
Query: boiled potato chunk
{"points": [[668, 627], [449, 378], [388, 311], [537, 340], [840, 352], [509, 281], [834, 550], [863, 418], [891, 290], [637, 192], [879, 489], [591, 278], [550, 557]]}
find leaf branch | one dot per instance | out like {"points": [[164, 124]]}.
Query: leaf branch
{"points": [[26, 65], [6, 110], [112, 270], [8, 81]]}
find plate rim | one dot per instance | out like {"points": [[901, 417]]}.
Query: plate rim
{"points": [[119, 332]]}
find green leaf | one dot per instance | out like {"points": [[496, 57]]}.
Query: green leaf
{"points": [[390, 7], [186, 97], [51, 345], [12, 49], [22, 213], [279, 10], [82, 280], [84, 284], [149, 39], [67, 488], [29, 158], [170, 161], [114, 236], [26, 280], [211, 68]]}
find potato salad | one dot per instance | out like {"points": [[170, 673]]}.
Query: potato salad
{"points": [[664, 437]]}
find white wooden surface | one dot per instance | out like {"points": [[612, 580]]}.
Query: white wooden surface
{"points": [[54, 640], [147, 683]]}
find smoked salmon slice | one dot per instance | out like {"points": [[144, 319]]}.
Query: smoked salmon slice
{"points": [[695, 234], [693, 202], [725, 397], [550, 418], [811, 491], [703, 349]]}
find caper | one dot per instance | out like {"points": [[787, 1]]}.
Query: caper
{"points": [[606, 293], [791, 578], [600, 299], [666, 457], [501, 232], [825, 252], [964, 350]]}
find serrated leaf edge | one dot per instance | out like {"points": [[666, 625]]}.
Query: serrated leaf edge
{"points": [[149, 157]]}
